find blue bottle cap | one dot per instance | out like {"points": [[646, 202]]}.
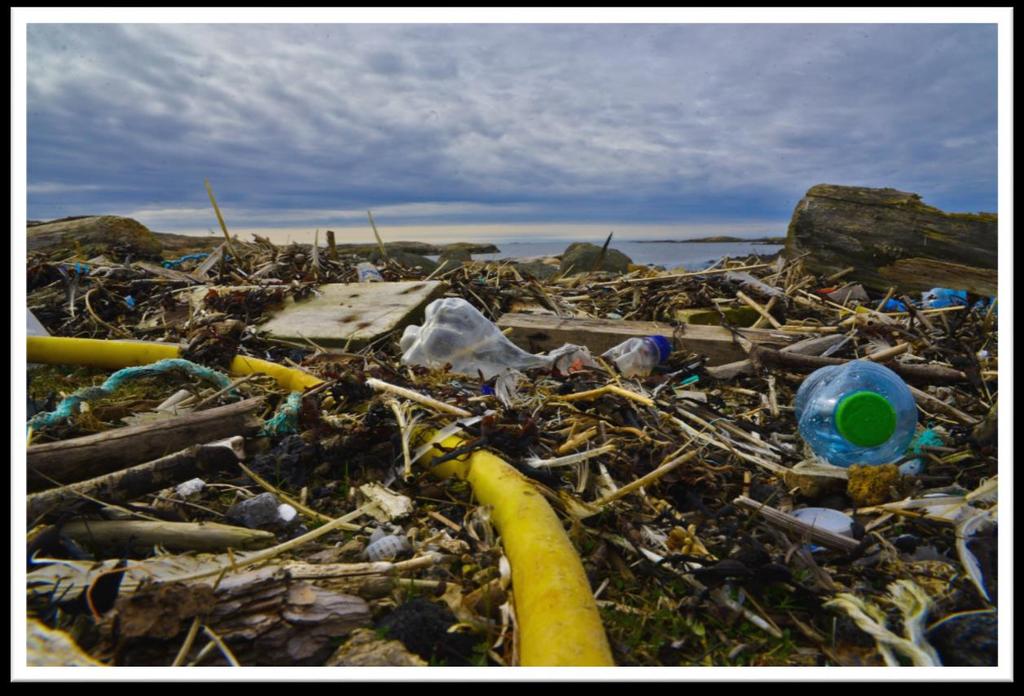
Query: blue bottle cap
{"points": [[664, 347]]}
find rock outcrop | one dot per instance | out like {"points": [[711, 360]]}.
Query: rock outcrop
{"points": [[892, 238], [580, 257]]}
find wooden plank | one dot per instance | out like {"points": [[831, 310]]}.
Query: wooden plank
{"points": [[538, 333], [81, 458], [352, 314]]}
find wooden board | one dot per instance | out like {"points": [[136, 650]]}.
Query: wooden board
{"points": [[352, 314], [539, 333]]}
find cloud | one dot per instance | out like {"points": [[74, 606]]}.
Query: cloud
{"points": [[561, 122]]}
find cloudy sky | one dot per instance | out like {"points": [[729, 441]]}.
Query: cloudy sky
{"points": [[534, 127]]}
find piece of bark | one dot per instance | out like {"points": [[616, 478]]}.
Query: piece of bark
{"points": [[68, 461], [116, 536], [133, 482], [264, 616]]}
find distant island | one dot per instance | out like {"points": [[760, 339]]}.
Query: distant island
{"points": [[716, 239]]}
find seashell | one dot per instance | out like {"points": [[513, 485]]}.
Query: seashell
{"points": [[386, 548]]}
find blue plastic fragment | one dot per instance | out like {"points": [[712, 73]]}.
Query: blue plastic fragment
{"points": [[892, 305], [690, 380], [130, 301], [487, 389]]}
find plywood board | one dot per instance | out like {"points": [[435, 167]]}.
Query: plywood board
{"points": [[538, 333], [352, 314]]}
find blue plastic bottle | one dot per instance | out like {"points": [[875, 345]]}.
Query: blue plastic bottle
{"points": [[856, 413]]}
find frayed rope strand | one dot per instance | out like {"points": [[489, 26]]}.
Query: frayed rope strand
{"points": [[286, 420], [67, 408]]}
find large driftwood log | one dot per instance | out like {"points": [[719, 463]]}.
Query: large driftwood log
{"points": [[86, 457], [97, 234], [892, 238]]}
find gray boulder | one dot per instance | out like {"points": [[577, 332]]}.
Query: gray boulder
{"points": [[581, 257]]}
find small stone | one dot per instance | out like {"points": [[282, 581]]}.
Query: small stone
{"points": [[190, 488], [260, 512]]}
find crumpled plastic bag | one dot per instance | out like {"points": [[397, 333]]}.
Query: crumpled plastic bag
{"points": [[455, 333]]}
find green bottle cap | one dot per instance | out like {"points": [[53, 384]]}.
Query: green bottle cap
{"points": [[865, 418]]}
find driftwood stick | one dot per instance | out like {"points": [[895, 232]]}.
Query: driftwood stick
{"points": [[936, 404], [758, 308], [924, 374], [129, 484], [142, 535], [789, 523], [81, 458]]}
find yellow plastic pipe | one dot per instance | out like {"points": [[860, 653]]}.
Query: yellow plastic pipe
{"points": [[559, 624]]}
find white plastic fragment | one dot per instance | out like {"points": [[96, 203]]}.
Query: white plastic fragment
{"points": [[286, 512]]}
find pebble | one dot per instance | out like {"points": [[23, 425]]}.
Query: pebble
{"points": [[190, 488], [263, 511]]}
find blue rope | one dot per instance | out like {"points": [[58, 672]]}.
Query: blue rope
{"points": [[67, 408], [188, 257], [286, 420]]}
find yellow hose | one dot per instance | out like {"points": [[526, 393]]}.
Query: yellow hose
{"points": [[559, 624]]}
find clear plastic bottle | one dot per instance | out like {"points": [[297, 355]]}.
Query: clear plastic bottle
{"points": [[856, 413], [454, 332], [637, 357]]}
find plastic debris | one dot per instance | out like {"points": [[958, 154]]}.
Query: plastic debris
{"points": [[637, 357], [857, 413], [455, 333]]}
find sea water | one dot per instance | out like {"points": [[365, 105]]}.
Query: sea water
{"points": [[688, 255]]}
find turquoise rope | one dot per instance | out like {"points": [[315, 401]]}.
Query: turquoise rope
{"points": [[286, 420], [67, 408], [927, 438]]}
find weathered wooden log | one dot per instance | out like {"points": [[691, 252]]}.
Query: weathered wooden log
{"points": [[81, 458], [128, 484], [96, 234], [892, 238]]}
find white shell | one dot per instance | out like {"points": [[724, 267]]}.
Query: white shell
{"points": [[386, 548], [827, 519]]}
